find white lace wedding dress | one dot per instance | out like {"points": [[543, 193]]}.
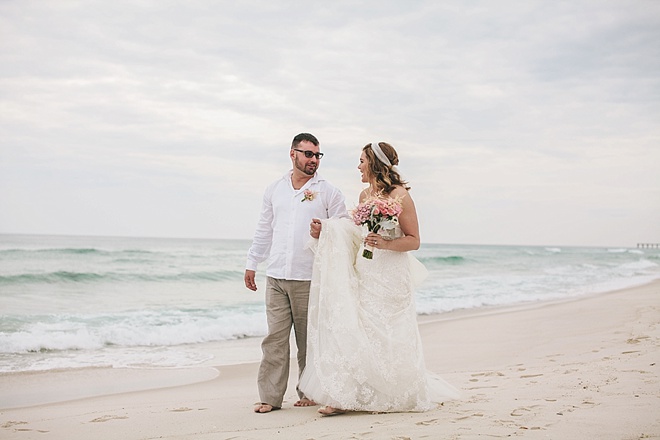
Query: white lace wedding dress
{"points": [[364, 351]]}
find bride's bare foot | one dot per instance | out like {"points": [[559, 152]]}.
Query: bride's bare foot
{"points": [[305, 402], [330, 411]]}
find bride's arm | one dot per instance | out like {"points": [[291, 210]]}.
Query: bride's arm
{"points": [[408, 222]]}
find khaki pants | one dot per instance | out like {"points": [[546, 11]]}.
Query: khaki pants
{"points": [[286, 306]]}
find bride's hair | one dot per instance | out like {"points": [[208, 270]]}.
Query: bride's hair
{"points": [[384, 177]]}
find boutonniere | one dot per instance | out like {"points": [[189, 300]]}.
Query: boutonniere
{"points": [[309, 195]]}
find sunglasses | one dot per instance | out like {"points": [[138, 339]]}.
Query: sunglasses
{"points": [[309, 154]]}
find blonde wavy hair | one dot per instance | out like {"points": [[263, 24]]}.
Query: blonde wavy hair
{"points": [[381, 176]]}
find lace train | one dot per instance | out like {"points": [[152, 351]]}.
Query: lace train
{"points": [[364, 351]]}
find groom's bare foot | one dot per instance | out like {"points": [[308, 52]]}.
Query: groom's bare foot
{"points": [[305, 402], [263, 408]]}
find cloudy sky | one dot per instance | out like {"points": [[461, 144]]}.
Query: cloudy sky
{"points": [[516, 122]]}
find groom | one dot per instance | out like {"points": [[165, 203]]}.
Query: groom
{"points": [[289, 205]]}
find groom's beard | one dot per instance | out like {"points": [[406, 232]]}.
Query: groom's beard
{"points": [[308, 169]]}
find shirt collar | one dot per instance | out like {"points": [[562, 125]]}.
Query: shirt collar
{"points": [[314, 180]]}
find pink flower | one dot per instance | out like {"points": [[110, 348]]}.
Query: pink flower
{"points": [[309, 195], [376, 209], [373, 211]]}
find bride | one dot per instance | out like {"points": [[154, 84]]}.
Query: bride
{"points": [[364, 350]]}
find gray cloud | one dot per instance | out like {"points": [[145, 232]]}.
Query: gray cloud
{"points": [[529, 122]]}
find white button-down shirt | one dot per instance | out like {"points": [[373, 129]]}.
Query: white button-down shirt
{"points": [[283, 228]]}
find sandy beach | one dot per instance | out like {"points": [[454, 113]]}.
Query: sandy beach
{"points": [[580, 369]]}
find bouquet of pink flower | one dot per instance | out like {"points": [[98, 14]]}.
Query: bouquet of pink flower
{"points": [[373, 212]]}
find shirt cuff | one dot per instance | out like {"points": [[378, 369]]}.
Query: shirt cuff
{"points": [[251, 265], [312, 244]]}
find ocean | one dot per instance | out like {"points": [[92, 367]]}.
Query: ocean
{"points": [[73, 302]]}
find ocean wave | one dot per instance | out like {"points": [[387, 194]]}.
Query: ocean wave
{"points": [[52, 277], [131, 329], [454, 259], [625, 251], [53, 251], [639, 265], [93, 277], [83, 302], [71, 252]]}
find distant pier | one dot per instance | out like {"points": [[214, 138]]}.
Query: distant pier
{"points": [[648, 245]]}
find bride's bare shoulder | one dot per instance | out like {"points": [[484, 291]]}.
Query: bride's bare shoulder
{"points": [[399, 192]]}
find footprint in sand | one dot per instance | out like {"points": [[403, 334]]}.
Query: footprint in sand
{"points": [[636, 340], [106, 418], [488, 373], [522, 410], [11, 423], [567, 410], [471, 415], [519, 412]]}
